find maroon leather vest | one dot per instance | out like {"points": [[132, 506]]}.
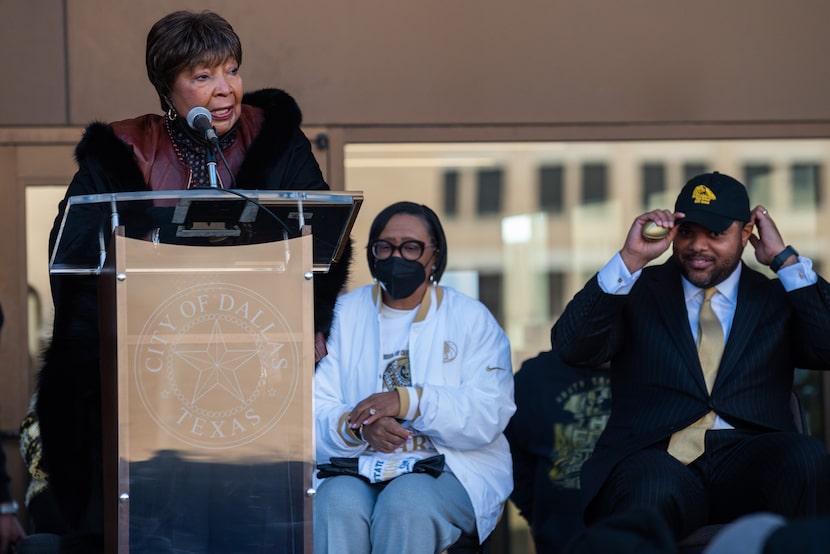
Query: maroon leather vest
{"points": [[156, 158]]}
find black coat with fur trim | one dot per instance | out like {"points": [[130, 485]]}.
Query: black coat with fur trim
{"points": [[68, 406]]}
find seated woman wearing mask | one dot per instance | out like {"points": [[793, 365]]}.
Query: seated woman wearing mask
{"points": [[192, 60], [411, 403]]}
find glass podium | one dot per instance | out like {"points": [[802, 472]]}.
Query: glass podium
{"points": [[206, 322]]}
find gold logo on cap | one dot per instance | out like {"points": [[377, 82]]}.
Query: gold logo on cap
{"points": [[703, 195]]}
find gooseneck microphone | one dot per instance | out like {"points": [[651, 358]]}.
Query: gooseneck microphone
{"points": [[199, 118]]}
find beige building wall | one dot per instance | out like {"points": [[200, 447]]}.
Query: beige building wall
{"points": [[381, 72], [436, 62]]}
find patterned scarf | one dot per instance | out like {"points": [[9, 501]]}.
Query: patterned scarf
{"points": [[190, 148]]}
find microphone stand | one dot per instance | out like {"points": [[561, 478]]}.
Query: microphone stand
{"points": [[211, 165]]}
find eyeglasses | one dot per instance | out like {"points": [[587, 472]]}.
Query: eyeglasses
{"points": [[410, 250]]}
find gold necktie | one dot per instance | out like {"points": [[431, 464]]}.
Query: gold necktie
{"points": [[687, 444]]}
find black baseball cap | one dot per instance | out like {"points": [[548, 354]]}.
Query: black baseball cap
{"points": [[713, 200]]}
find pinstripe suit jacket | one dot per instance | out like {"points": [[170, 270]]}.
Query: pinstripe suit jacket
{"points": [[656, 380]]}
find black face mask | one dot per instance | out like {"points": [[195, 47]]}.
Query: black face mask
{"points": [[399, 277]]}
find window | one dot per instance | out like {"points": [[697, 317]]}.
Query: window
{"points": [[489, 191], [757, 178], [451, 192], [551, 181], [594, 183], [490, 294], [470, 178], [556, 294], [692, 169], [806, 185], [551, 188], [654, 182]]}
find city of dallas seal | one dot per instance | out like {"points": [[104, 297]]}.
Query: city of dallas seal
{"points": [[216, 365]]}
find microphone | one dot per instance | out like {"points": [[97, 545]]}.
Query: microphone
{"points": [[199, 119]]}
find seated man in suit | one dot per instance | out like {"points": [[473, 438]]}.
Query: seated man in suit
{"points": [[703, 350], [560, 412]]}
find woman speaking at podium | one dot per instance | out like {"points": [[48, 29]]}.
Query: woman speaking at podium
{"points": [[193, 60]]}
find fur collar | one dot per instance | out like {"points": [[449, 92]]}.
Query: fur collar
{"points": [[100, 147]]}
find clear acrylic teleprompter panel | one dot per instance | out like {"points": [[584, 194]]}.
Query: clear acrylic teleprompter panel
{"points": [[215, 360], [236, 217]]}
